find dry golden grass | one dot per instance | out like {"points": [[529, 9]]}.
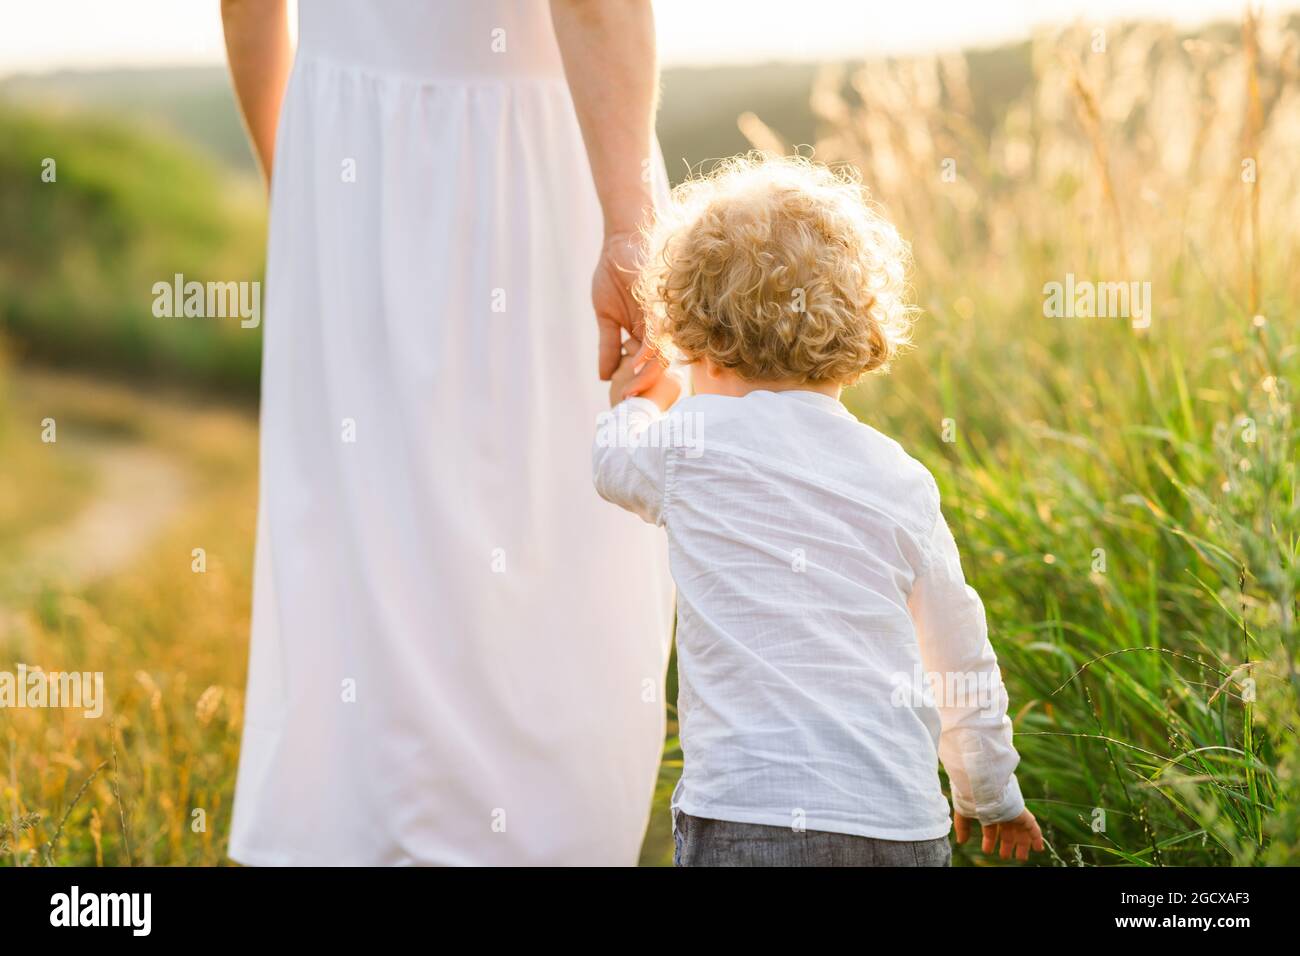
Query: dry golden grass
{"points": [[124, 788]]}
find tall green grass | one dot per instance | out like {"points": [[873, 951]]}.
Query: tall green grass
{"points": [[1125, 498]]}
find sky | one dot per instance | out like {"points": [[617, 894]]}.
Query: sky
{"points": [[38, 35]]}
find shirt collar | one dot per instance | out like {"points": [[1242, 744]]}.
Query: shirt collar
{"points": [[818, 399]]}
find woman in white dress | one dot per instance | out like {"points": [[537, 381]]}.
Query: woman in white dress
{"points": [[458, 650]]}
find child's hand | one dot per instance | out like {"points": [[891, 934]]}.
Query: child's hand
{"points": [[663, 392], [1018, 836]]}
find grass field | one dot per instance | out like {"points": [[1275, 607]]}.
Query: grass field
{"points": [[171, 642], [1122, 488]]}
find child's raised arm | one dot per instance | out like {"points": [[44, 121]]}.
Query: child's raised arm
{"points": [[628, 466], [628, 460]]}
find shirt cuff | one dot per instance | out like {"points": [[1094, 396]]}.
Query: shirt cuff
{"points": [[1007, 807]]}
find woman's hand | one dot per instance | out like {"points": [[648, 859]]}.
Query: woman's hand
{"points": [[1017, 836], [617, 311], [609, 61], [611, 296]]}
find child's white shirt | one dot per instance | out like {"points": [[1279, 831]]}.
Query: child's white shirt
{"points": [[819, 587]]}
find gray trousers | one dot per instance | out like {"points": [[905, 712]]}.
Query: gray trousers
{"points": [[699, 841]]}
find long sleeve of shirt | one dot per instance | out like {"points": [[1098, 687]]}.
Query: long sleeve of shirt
{"points": [[975, 742]]}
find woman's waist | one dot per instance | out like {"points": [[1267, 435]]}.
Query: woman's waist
{"points": [[403, 74], [433, 41]]}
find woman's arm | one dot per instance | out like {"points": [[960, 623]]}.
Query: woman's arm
{"points": [[608, 48], [257, 46]]}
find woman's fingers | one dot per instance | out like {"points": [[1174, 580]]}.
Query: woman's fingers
{"points": [[641, 354], [610, 334]]}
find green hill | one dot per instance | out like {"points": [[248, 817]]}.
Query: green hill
{"points": [[79, 255], [195, 103]]}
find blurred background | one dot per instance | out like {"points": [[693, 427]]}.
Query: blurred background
{"points": [[1124, 495]]}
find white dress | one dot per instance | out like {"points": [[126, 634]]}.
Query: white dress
{"points": [[458, 649]]}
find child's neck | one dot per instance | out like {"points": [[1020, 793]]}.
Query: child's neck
{"points": [[726, 382]]}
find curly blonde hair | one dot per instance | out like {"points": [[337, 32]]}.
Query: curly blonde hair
{"points": [[779, 269]]}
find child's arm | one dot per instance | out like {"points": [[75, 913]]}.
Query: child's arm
{"points": [[628, 465], [975, 743]]}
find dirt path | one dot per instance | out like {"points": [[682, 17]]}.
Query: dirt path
{"points": [[138, 491]]}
